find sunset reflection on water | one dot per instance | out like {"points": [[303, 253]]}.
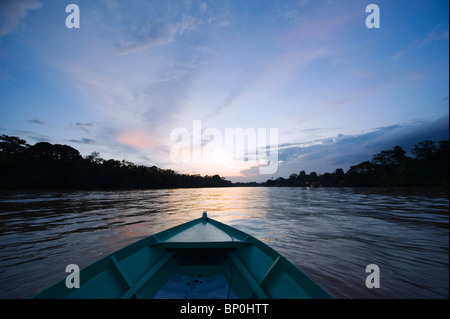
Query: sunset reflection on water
{"points": [[331, 234]]}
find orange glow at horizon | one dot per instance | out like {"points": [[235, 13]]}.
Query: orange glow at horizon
{"points": [[138, 139]]}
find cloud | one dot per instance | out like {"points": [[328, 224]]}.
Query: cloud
{"points": [[172, 75], [12, 11], [203, 6], [82, 141], [432, 36], [335, 18], [85, 127], [207, 50], [37, 121], [187, 24], [27, 135], [271, 79], [131, 103], [137, 139], [120, 99], [296, 49], [347, 150], [343, 151], [138, 36]]}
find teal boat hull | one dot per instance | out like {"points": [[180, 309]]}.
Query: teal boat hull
{"points": [[201, 259]]}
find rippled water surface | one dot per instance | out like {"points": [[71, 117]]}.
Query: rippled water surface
{"points": [[332, 234]]}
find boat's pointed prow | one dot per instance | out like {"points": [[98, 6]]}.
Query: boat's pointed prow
{"points": [[202, 258]]}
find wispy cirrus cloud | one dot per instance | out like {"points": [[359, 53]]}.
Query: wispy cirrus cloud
{"points": [[85, 127], [82, 141], [138, 69], [28, 135], [137, 138], [36, 121], [432, 36], [299, 46], [12, 11], [343, 151], [140, 35]]}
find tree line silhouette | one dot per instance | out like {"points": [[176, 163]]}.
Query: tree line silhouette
{"points": [[428, 167], [54, 166]]}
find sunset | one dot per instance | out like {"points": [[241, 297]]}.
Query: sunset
{"points": [[134, 71], [224, 149]]}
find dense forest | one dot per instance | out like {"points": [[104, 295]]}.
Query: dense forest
{"points": [[54, 166], [428, 167]]}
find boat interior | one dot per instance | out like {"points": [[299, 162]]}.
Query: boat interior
{"points": [[201, 259]]}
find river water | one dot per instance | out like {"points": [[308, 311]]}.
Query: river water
{"points": [[332, 234]]}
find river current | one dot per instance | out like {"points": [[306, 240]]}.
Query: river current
{"points": [[332, 234]]}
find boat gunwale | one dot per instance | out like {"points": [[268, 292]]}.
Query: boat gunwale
{"points": [[277, 257], [156, 241]]}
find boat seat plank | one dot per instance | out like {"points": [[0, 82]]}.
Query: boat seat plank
{"points": [[122, 272], [201, 231], [200, 244], [146, 277], [270, 271], [248, 276]]}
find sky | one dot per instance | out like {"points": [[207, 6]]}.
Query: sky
{"points": [[165, 83]]}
